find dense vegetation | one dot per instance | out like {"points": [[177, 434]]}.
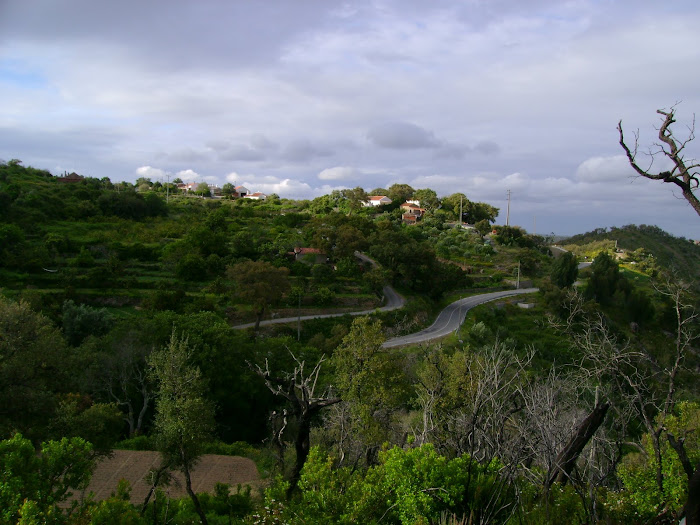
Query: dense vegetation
{"points": [[117, 320]]}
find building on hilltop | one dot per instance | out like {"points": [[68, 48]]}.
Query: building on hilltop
{"points": [[377, 200]]}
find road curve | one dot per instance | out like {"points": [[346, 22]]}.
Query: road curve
{"points": [[451, 317], [394, 301]]}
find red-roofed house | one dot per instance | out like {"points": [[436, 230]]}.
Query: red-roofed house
{"points": [[377, 200], [258, 196], [411, 212]]}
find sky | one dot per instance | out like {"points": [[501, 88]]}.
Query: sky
{"points": [[303, 97]]}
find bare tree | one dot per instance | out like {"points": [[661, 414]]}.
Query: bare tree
{"points": [[683, 172], [638, 385], [125, 380], [298, 388]]}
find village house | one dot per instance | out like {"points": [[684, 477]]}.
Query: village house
{"points": [[70, 177], [412, 212], [377, 200], [242, 191], [258, 196]]}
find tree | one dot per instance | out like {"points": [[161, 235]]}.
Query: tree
{"points": [[400, 193], [299, 389], [428, 199], [203, 190], [34, 366], [81, 320], [184, 419], [40, 483], [124, 379], [564, 270], [371, 384], [683, 172], [356, 198], [479, 211], [605, 275], [453, 203], [260, 284]]}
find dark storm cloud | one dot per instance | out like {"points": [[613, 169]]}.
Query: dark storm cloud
{"points": [[303, 150], [401, 135], [172, 33]]}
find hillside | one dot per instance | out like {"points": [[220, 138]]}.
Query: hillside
{"points": [[675, 254]]}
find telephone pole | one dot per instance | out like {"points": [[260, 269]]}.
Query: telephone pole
{"points": [[508, 210]]}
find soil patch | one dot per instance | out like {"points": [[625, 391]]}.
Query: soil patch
{"points": [[133, 466]]}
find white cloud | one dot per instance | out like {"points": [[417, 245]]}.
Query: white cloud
{"points": [[338, 173], [150, 173], [604, 169], [188, 175]]}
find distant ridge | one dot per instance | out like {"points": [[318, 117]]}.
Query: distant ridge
{"points": [[675, 254]]}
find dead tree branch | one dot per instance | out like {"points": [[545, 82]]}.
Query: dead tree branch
{"points": [[684, 172]]}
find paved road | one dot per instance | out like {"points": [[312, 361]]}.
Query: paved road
{"points": [[393, 300], [451, 317]]}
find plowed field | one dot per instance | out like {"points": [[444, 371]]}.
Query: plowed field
{"points": [[133, 466]]}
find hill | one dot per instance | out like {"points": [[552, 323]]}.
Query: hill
{"points": [[648, 245]]}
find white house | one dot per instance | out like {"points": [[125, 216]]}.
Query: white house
{"points": [[377, 200], [242, 190], [258, 196]]}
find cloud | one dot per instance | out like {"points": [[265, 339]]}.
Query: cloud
{"points": [[487, 147], [188, 175], [150, 173], [242, 152], [604, 169], [303, 150], [339, 173], [401, 135]]}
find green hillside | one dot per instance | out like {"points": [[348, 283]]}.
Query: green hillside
{"points": [[123, 325], [674, 254]]}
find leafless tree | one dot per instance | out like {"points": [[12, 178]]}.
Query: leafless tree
{"points": [[683, 173], [299, 389], [632, 380], [124, 380]]}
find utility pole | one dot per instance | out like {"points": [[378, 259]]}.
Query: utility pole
{"points": [[508, 210], [167, 189], [460, 211]]}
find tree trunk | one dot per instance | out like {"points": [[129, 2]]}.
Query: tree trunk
{"points": [[566, 459], [193, 496], [258, 318], [302, 445], [156, 481], [692, 506]]}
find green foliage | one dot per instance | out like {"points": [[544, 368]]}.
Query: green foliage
{"points": [[641, 499], [564, 270], [408, 486], [34, 366], [659, 249], [561, 504], [116, 509], [99, 423], [80, 321], [605, 275], [35, 485], [184, 417]]}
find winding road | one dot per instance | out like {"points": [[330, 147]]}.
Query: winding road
{"points": [[451, 317], [447, 321], [394, 301]]}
